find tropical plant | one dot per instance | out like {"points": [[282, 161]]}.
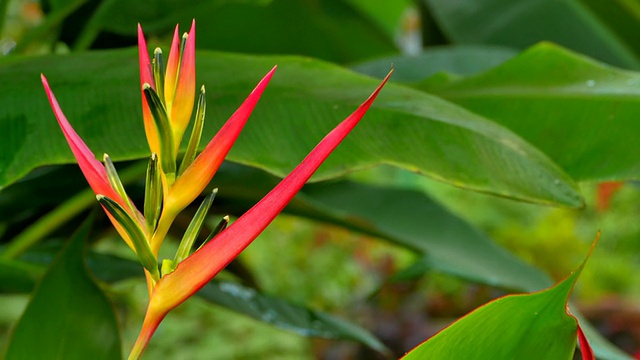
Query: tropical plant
{"points": [[525, 105]]}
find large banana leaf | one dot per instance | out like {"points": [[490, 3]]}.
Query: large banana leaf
{"points": [[581, 113], [405, 127]]}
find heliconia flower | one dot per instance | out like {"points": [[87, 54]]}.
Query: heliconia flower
{"points": [[198, 269], [92, 169], [167, 102], [174, 86], [198, 175]]}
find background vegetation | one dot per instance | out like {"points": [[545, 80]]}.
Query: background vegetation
{"points": [[503, 144]]}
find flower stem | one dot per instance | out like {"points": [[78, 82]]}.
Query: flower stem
{"points": [[149, 326]]}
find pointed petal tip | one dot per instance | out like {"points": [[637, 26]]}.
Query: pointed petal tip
{"points": [[365, 105], [265, 80], [176, 33], [47, 88]]}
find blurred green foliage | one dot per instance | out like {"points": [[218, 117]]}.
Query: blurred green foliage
{"points": [[555, 114]]}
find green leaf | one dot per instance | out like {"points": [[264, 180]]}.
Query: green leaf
{"points": [[532, 326], [450, 245], [404, 127], [621, 17], [454, 246], [456, 59], [285, 315], [117, 16], [80, 322], [386, 14], [522, 23], [332, 30], [17, 276], [581, 113]]}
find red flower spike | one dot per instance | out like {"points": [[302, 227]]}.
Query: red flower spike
{"points": [[185, 93], [146, 77], [171, 73], [198, 175], [91, 168], [199, 268]]}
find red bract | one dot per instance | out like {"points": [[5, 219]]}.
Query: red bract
{"points": [[92, 169], [585, 348], [199, 268]]}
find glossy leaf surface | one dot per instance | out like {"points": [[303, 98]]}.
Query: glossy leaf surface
{"points": [[528, 326], [285, 315], [455, 59], [306, 98], [579, 112], [533, 326], [390, 214]]}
